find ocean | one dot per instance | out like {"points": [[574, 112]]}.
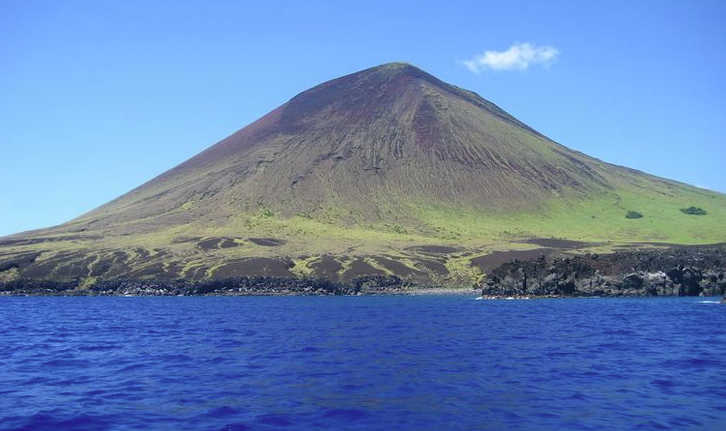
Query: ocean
{"points": [[368, 363]]}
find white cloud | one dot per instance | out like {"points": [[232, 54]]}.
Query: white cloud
{"points": [[518, 56]]}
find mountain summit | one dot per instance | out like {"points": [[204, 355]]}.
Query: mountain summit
{"points": [[384, 171], [359, 149]]}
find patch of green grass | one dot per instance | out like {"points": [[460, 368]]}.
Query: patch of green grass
{"points": [[302, 268], [462, 272], [573, 219], [9, 275]]}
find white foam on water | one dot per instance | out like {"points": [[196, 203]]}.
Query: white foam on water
{"points": [[709, 302], [508, 298]]}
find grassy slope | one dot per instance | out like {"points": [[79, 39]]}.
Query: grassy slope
{"points": [[475, 232], [599, 219]]}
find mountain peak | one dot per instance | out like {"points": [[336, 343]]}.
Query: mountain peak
{"points": [[373, 77], [398, 69]]}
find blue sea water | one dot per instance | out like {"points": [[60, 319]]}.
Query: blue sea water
{"points": [[410, 363]]}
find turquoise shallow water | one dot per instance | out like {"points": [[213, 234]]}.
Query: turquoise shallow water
{"points": [[430, 362]]}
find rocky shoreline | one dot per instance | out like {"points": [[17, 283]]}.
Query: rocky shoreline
{"points": [[674, 271], [240, 286]]}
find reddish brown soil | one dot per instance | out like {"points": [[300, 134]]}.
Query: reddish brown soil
{"points": [[256, 266]]}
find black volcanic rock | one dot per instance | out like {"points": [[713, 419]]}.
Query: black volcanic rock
{"points": [[685, 271]]}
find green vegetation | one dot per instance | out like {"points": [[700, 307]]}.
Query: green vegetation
{"points": [[633, 214], [693, 211], [301, 267], [88, 283], [573, 220], [9, 274]]}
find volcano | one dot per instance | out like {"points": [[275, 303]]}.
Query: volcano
{"points": [[386, 171]]}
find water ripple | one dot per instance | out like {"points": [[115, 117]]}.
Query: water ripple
{"points": [[361, 363]]}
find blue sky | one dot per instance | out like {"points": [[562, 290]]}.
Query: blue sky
{"points": [[101, 96]]}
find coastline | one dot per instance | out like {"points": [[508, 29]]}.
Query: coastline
{"points": [[443, 291], [427, 291], [684, 271]]}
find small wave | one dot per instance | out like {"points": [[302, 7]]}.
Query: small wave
{"points": [[132, 367], [236, 427], [54, 419], [93, 348], [347, 415], [663, 383], [274, 420], [222, 411], [66, 363], [709, 302]]}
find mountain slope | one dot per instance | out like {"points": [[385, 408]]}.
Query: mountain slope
{"points": [[384, 171]]}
